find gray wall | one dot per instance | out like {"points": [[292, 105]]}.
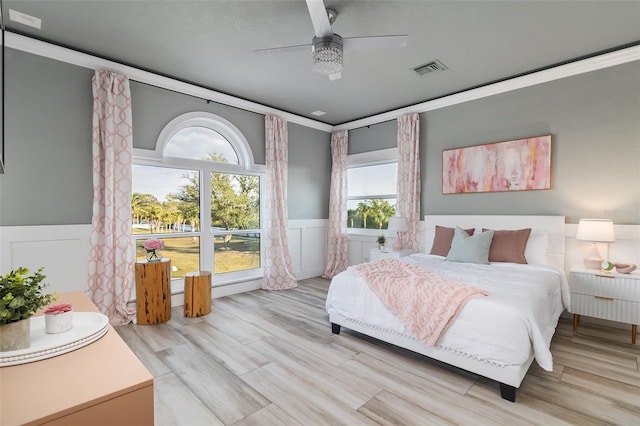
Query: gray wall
{"points": [[48, 179], [48, 110], [594, 120], [309, 173], [374, 137]]}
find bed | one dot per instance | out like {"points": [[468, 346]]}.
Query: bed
{"points": [[497, 336]]}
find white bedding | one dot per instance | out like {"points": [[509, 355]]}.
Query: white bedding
{"points": [[521, 311]]}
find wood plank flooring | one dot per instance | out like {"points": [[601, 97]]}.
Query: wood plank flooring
{"points": [[269, 358]]}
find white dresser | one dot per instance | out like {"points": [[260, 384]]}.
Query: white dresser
{"points": [[610, 296]]}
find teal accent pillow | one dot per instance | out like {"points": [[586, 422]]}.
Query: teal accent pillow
{"points": [[470, 248]]}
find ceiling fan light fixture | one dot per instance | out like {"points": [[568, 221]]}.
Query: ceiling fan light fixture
{"points": [[326, 55]]}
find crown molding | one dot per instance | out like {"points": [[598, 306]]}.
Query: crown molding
{"points": [[606, 60], [63, 54], [70, 56]]}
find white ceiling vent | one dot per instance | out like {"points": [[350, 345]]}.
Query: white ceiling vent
{"points": [[430, 67]]}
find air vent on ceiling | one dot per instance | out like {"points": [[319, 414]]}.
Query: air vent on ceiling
{"points": [[428, 68]]}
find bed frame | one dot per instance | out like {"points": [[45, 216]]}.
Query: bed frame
{"points": [[508, 377]]}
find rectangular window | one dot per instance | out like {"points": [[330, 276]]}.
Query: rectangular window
{"points": [[371, 198], [164, 200], [165, 204], [235, 206], [236, 252]]}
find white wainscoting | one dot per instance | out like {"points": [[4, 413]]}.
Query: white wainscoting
{"points": [[360, 248], [63, 250], [307, 246], [362, 241]]}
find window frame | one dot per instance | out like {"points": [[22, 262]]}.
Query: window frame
{"points": [[371, 158], [205, 168]]}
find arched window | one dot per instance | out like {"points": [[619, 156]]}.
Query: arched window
{"points": [[201, 143], [201, 195]]}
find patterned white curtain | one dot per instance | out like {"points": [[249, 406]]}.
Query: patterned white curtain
{"points": [[111, 263], [337, 255], [278, 273], [408, 204]]}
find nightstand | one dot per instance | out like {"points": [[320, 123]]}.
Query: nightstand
{"points": [[389, 254], [614, 297]]}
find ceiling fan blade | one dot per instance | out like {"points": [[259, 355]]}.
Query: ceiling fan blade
{"points": [[285, 49], [319, 18], [375, 42]]}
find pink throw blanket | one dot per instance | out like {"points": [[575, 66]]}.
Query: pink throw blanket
{"points": [[426, 303]]}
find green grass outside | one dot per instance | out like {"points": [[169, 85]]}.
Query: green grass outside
{"points": [[237, 255]]}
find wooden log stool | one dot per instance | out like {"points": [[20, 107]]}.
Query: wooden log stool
{"points": [[153, 291], [197, 294]]}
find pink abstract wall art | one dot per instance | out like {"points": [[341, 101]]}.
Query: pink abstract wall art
{"points": [[518, 165]]}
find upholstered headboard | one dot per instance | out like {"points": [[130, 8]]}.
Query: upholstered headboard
{"points": [[550, 228]]}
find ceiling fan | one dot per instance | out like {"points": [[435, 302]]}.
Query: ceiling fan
{"points": [[327, 47]]}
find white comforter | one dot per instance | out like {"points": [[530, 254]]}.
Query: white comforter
{"points": [[521, 311]]}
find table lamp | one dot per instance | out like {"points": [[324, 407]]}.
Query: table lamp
{"points": [[595, 231], [398, 225]]}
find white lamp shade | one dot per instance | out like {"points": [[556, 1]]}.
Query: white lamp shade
{"points": [[398, 224], [596, 230]]}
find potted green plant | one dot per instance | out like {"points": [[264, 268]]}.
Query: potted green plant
{"points": [[381, 240], [21, 295]]}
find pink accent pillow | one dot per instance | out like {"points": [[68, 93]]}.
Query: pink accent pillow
{"points": [[509, 246], [442, 240]]}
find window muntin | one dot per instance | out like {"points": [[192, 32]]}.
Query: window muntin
{"points": [[371, 198], [201, 143]]}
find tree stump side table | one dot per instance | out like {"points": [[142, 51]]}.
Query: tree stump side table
{"points": [[153, 291], [197, 294]]}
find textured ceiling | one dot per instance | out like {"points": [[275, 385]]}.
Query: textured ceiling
{"points": [[211, 43]]}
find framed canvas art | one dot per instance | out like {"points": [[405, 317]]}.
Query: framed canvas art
{"points": [[517, 165]]}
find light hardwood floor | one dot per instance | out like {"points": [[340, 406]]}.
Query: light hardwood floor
{"points": [[269, 358]]}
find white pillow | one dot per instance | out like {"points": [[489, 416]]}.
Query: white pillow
{"points": [[537, 248]]}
